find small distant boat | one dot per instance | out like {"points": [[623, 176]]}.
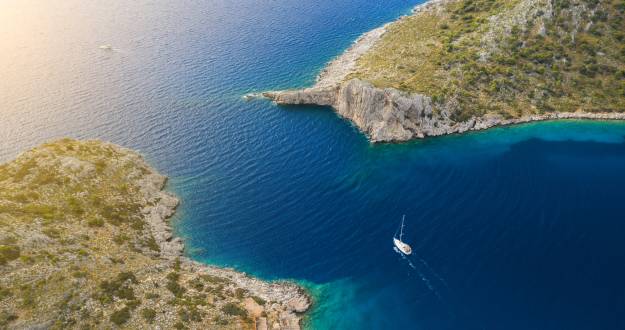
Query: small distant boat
{"points": [[399, 244], [106, 47]]}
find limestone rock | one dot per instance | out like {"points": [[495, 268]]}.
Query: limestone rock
{"points": [[389, 115], [306, 96], [252, 307]]}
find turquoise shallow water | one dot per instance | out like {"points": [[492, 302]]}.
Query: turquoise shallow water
{"points": [[513, 228]]}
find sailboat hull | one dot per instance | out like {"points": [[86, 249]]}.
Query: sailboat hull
{"points": [[402, 247]]}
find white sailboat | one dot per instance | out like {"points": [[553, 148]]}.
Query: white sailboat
{"points": [[399, 244]]}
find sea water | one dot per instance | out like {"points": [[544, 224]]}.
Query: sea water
{"points": [[512, 228]]}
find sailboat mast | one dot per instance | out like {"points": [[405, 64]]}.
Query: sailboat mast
{"points": [[401, 232]]}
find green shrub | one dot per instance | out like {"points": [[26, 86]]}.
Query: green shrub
{"points": [[121, 239], [190, 314], [259, 300], [197, 284], [112, 215], [151, 244], [233, 309], [8, 240], [175, 288], [137, 224], [95, 222], [173, 276], [6, 318], [133, 304], [5, 293], [121, 316], [27, 296], [118, 287], [220, 320], [75, 206], [52, 233], [8, 253], [79, 274], [240, 293], [179, 326], [148, 314], [24, 170], [100, 166], [214, 279], [46, 212], [21, 198], [152, 295]]}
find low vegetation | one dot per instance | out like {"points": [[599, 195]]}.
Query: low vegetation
{"points": [[509, 57], [76, 251]]}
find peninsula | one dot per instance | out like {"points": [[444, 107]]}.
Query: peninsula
{"points": [[85, 243], [459, 65]]}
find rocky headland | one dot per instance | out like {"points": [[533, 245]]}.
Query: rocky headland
{"points": [[86, 243], [460, 65]]}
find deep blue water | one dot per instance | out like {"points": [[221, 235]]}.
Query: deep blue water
{"points": [[513, 228]]}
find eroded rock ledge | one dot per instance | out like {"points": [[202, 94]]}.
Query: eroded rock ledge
{"points": [[482, 72], [389, 115]]}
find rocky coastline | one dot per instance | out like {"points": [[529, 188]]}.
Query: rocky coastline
{"points": [[290, 301], [391, 115], [86, 243]]}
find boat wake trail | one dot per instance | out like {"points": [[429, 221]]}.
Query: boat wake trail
{"points": [[438, 277], [424, 278], [430, 285], [405, 258]]}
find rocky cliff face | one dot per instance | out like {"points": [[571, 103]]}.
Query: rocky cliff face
{"points": [[311, 96], [389, 115], [381, 114], [386, 114], [473, 64]]}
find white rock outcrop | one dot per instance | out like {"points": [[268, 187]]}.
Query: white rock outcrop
{"points": [[389, 115]]}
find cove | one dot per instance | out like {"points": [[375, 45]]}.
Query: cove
{"points": [[513, 228]]}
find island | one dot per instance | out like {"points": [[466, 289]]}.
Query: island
{"points": [[458, 65], [85, 243]]}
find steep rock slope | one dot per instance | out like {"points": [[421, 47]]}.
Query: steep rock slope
{"points": [[457, 65]]}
